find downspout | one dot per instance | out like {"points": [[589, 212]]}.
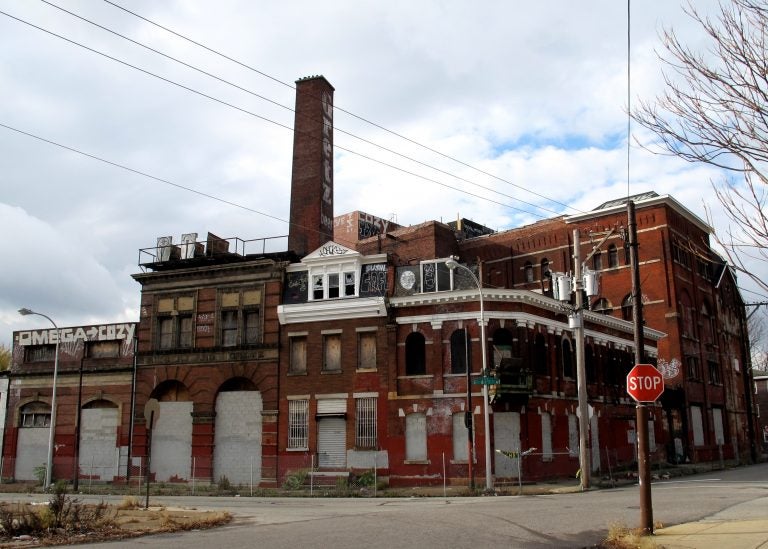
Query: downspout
{"points": [[133, 405]]}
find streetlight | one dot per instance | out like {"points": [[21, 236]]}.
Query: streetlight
{"points": [[49, 463], [452, 264]]}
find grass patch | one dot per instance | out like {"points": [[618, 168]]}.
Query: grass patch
{"points": [[622, 537]]}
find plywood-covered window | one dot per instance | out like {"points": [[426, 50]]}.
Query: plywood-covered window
{"points": [[332, 352], [298, 355], [366, 350]]}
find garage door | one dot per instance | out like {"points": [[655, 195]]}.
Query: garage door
{"points": [[332, 442]]}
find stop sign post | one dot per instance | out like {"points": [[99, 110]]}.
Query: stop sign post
{"points": [[645, 383]]}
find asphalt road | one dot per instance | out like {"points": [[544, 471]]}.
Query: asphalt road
{"points": [[556, 520]]}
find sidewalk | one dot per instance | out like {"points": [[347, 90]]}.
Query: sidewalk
{"points": [[740, 527], [715, 534]]}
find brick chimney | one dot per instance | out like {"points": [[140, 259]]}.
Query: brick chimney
{"points": [[312, 175]]}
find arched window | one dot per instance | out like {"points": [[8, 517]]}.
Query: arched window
{"points": [[567, 358], [602, 306], [613, 256], [597, 261], [461, 352], [35, 414], [540, 355], [544, 266], [626, 307], [528, 271], [415, 355]]}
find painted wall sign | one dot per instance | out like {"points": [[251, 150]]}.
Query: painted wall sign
{"points": [[105, 332], [296, 287], [326, 206], [373, 280]]}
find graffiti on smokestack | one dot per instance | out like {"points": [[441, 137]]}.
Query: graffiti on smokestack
{"points": [[326, 213]]}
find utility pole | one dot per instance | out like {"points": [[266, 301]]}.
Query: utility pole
{"points": [[581, 370], [641, 411]]}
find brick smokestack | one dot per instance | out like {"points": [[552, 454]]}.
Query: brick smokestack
{"points": [[312, 175]]}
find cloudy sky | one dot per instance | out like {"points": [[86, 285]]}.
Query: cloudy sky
{"points": [[531, 95]]}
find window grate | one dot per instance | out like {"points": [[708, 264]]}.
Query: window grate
{"points": [[298, 423], [365, 422]]}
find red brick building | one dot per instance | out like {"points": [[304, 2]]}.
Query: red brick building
{"points": [[208, 352], [96, 365]]}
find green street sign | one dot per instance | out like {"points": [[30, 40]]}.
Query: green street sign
{"points": [[485, 381]]}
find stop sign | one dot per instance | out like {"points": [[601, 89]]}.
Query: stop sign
{"points": [[645, 383]]}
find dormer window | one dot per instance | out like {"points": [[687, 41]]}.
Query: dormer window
{"points": [[333, 285]]}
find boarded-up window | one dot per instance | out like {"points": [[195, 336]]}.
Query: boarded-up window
{"points": [[298, 423], [103, 349], [332, 352], [717, 423], [546, 436], [460, 436], [367, 351], [298, 358], [573, 435], [365, 423], [415, 437], [698, 427]]}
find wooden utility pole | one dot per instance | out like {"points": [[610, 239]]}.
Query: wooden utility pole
{"points": [[641, 410], [581, 370]]}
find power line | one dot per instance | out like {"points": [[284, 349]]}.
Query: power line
{"points": [[158, 179], [337, 129], [358, 117], [245, 111]]}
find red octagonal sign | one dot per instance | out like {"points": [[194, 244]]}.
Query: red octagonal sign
{"points": [[645, 383]]}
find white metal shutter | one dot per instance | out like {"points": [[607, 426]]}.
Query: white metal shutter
{"points": [[506, 436], [546, 436], [326, 406], [332, 442]]}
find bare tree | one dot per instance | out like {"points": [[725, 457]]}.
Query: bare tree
{"points": [[715, 110], [758, 345], [5, 357]]}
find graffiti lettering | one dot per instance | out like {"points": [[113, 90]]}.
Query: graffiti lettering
{"points": [[106, 332], [332, 249], [326, 212]]}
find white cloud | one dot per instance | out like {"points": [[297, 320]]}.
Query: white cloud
{"points": [[534, 94]]}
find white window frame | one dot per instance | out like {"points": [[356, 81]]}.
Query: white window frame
{"points": [[341, 278], [436, 262]]}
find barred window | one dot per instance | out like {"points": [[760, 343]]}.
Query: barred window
{"points": [[365, 422], [298, 427]]}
